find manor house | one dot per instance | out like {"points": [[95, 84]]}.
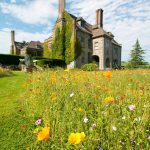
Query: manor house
{"points": [[97, 44]]}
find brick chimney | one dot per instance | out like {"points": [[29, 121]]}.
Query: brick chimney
{"points": [[62, 4], [99, 18]]}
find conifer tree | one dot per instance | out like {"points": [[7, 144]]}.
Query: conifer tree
{"points": [[136, 56]]}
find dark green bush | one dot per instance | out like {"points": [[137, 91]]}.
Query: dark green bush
{"points": [[90, 67], [10, 60], [51, 63]]}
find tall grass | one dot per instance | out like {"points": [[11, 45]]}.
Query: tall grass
{"points": [[75, 101], [4, 72]]}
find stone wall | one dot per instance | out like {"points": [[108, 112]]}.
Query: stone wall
{"points": [[86, 43], [98, 50]]}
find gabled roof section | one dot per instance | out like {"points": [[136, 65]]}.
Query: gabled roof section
{"points": [[86, 27], [98, 32]]}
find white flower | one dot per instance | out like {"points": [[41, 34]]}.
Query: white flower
{"points": [[114, 128], [138, 119], [72, 94], [124, 117], [93, 125], [148, 138], [85, 120], [131, 107]]}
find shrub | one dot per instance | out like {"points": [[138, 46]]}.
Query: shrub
{"points": [[10, 60], [90, 67], [52, 63]]}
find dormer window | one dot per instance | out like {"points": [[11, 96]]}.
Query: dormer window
{"points": [[81, 23]]}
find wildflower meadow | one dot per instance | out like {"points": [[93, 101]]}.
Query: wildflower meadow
{"points": [[79, 110]]}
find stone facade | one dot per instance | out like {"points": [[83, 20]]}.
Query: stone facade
{"points": [[97, 44]]}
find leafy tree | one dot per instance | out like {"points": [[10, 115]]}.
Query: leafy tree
{"points": [[136, 56]]}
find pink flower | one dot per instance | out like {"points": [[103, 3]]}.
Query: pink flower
{"points": [[131, 107], [38, 122]]}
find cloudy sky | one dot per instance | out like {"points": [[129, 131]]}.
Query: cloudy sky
{"points": [[34, 20]]}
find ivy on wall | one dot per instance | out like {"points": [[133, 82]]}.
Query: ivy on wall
{"points": [[47, 52], [65, 45], [58, 47]]}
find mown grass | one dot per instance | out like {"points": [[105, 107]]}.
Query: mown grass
{"points": [[63, 99], [12, 133]]}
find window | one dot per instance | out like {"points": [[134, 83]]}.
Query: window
{"points": [[96, 47]]}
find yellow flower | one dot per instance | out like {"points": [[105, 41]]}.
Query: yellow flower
{"points": [[76, 138], [36, 131], [44, 134], [108, 74], [109, 99], [82, 136], [81, 110], [67, 70]]}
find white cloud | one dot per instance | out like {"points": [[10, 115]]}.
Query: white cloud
{"points": [[13, 1], [5, 38], [31, 12]]}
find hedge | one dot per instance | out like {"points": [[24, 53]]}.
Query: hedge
{"points": [[52, 63], [10, 59]]}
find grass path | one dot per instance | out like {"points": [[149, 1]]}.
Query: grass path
{"points": [[11, 116], [10, 90]]}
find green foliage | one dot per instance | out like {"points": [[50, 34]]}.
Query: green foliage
{"points": [[47, 52], [136, 55], [58, 44], [10, 59], [90, 67], [65, 45], [51, 63]]}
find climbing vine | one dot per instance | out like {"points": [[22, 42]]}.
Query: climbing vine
{"points": [[65, 45], [47, 52]]}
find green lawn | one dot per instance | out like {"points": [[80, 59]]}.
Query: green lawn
{"points": [[11, 114]]}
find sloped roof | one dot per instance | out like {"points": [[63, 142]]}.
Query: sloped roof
{"points": [[35, 45], [98, 31], [32, 45], [116, 43], [20, 45]]}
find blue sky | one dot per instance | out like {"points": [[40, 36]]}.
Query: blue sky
{"points": [[35, 19]]}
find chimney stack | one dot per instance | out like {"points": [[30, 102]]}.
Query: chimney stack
{"points": [[12, 37], [62, 4], [99, 18]]}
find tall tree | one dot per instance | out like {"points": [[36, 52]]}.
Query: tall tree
{"points": [[136, 56]]}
